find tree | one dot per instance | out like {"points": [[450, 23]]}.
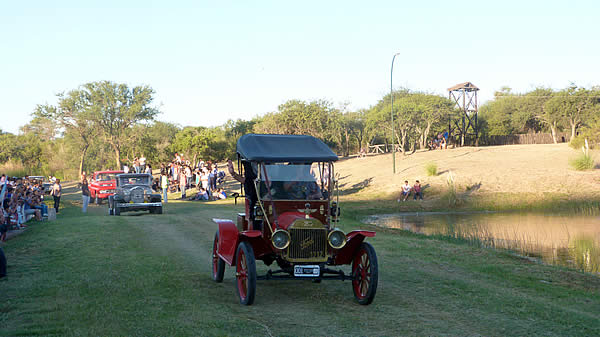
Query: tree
{"points": [[73, 115], [579, 104], [43, 127], [115, 108]]}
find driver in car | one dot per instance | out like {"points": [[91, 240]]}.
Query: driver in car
{"points": [[302, 189]]}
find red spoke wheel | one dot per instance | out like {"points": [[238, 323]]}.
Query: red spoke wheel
{"points": [[365, 273], [245, 273], [218, 265]]}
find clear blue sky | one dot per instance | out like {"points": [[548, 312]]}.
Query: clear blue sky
{"points": [[213, 60]]}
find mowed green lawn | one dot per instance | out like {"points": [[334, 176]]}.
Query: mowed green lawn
{"points": [[149, 275]]}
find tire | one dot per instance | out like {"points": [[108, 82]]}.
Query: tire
{"points": [[245, 267], [96, 200], [218, 265], [159, 210], [117, 210], [365, 274], [110, 205], [110, 211], [2, 264]]}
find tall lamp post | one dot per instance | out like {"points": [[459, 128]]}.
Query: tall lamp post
{"points": [[392, 113]]}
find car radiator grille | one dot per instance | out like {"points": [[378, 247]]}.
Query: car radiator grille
{"points": [[307, 245]]}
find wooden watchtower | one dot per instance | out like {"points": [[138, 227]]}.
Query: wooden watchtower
{"points": [[465, 97]]}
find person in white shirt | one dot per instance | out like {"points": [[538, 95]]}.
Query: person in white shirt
{"points": [[405, 190], [142, 163]]}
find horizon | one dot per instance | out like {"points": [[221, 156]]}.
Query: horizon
{"points": [[212, 62]]}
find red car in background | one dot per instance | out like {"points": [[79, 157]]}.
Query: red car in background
{"points": [[103, 184]]}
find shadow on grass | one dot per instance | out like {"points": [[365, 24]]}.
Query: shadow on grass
{"points": [[356, 187]]}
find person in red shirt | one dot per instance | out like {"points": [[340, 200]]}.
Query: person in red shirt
{"points": [[417, 191]]}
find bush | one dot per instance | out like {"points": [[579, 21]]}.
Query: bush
{"points": [[577, 142], [431, 169], [582, 162]]}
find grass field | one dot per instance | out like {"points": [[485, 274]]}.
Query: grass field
{"points": [[149, 275]]}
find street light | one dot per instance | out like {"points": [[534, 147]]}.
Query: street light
{"points": [[392, 113]]}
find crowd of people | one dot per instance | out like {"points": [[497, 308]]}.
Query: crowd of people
{"points": [[180, 175], [138, 165], [440, 142], [21, 200]]}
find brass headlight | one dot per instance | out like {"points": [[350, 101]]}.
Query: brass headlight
{"points": [[336, 239], [280, 239]]}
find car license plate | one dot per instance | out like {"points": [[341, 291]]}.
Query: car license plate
{"points": [[307, 271]]}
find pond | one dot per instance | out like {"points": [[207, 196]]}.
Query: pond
{"points": [[568, 240]]}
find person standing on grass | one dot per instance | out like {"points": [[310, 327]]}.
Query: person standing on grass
{"points": [[85, 194], [417, 191], [164, 184], [405, 191], [182, 183], [56, 193]]}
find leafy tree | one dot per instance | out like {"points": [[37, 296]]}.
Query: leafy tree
{"points": [[45, 128], [579, 105], [73, 115], [115, 108]]}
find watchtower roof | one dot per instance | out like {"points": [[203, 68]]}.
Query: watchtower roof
{"points": [[467, 86]]}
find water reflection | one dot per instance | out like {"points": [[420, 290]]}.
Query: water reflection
{"points": [[558, 239]]}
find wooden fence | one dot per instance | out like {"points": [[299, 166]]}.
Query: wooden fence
{"points": [[528, 138]]}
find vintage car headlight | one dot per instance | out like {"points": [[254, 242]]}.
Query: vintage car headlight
{"points": [[126, 195], [337, 239], [280, 239]]}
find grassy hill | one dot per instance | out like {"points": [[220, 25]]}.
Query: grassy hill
{"points": [[492, 178]]}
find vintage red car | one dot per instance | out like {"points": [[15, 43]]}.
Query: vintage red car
{"points": [[103, 184], [289, 220]]}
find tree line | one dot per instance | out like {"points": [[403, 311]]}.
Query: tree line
{"points": [[100, 125]]}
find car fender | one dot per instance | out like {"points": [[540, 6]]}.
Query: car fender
{"points": [[353, 241], [230, 237]]}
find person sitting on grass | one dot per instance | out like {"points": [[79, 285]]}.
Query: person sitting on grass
{"points": [[417, 191], [202, 194], [220, 194], [405, 191]]}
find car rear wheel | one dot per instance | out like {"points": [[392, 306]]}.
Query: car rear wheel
{"points": [[218, 265], [245, 273], [365, 274]]}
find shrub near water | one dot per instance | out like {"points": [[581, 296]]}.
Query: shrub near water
{"points": [[582, 162], [431, 169]]}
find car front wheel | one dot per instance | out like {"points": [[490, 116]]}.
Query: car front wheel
{"points": [[365, 274], [245, 273]]}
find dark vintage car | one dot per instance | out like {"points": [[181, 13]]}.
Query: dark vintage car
{"points": [[102, 185], [134, 193], [289, 220]]}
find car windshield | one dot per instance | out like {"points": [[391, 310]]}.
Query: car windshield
{"points": [[106, 176], [143, 180], [292, 181]]}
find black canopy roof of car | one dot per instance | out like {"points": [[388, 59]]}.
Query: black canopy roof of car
{"points": [[283, 148]]}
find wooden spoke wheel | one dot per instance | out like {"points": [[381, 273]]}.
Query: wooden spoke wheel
{"points": [[218, 265], [365, 274], [245, 273]]}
